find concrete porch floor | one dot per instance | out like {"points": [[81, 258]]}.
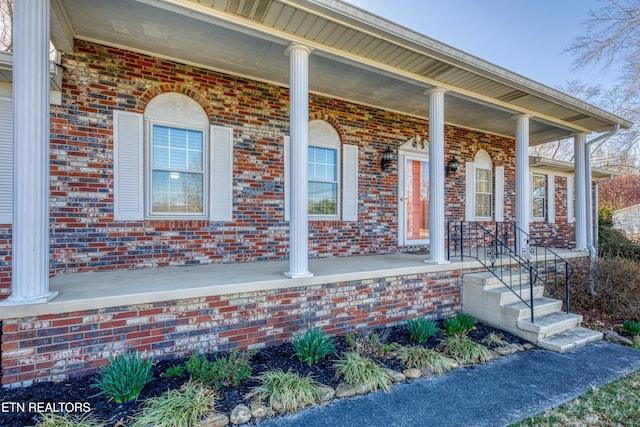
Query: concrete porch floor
{"points": [[95, 290]]}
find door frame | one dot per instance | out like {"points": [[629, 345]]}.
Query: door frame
{"points": [[408, 151]]}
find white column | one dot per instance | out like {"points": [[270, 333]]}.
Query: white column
{"points": [[30, 264], [436, 176], [299, 124], [579, 150], [523, 188], [588, 200]]}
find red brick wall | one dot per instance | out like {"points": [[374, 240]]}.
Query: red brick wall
{"points": [[54, 347]]}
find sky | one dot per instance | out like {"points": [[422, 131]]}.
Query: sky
{"points": [[527, 37]]}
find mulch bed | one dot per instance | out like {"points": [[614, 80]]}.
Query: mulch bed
{"points": [[280, 357]]}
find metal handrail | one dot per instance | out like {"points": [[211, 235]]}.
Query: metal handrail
{"points": [[528, 263]]}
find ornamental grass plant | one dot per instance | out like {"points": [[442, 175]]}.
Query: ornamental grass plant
{"points": [[124, 377], [286, 391], [465, 350], [313, 346], [225, 370], [359, 371], [421, 329], [424, 359], [459, 325], [66, 420]]}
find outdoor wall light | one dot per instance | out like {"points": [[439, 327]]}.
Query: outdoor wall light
{"points": [[452, 167], [387, 159]]}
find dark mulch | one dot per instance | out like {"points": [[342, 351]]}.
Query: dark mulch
{"points": [[280, 357]]}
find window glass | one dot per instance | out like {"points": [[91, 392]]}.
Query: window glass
{"points": [[177, 176], [323, 181], [538, 194], [483, 193]]}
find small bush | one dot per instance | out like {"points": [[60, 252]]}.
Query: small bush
{"points": [[424, 359], [607, 285], [177, 408], [313, 346], [286, 391], [465, 350], [174, 371], [227, 370], [459, 325], [371, 344], [494, 340], [124, 377], [66, 420], [631, 327], [421, 329], [361, 371]]}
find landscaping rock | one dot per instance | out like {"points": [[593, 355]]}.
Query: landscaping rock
{"points": [[326, 393], [614, 337], [241, 414], [258, 409], [527, 346], [215, 420], [506, 350], [396, 376], [453, 364], [345, 390], [363, 389], [412, 373]]}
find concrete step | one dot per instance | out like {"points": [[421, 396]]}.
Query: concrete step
{"points": [[507, 296], [487, 280], [512, 313], [548, 325], [569, 340]]}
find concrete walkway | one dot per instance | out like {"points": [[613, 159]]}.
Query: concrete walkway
{"points": [[495, 394]]}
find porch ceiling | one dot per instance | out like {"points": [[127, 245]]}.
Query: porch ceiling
{"points": [[357, 56]]}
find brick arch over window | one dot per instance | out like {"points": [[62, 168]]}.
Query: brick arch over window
{"points": [[331, 120], [151, 93]]}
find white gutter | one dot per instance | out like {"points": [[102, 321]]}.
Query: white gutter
{"points": [[593, 253]]}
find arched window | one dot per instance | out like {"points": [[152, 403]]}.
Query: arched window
{"points": [[483, 185], [324, 171]]}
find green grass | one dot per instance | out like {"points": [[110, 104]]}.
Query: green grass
{"points": [[361, 371], [615, 404], [312, 346], [421, 329], [66, 420], [459, 325], [467, 351], [177, 408], [286, 391], [424, 358], [124, 377]]}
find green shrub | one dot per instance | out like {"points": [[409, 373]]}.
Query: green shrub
{"points": [[631, 327], [459, 325], [465, 350], [174, 371], [227, 370], [421, 329], [124, 377], [286, 391], [424, 359], [313, 346], [361, 371], [177, 408], [66, 420]]}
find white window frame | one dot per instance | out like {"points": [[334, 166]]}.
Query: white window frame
{"points": [[323, 135], [149, 172], [544, 197], [481, 161]]}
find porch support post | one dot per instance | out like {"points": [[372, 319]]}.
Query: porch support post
{"points": [[580, 160], [436, 176], [523, 190], [30, 264], [299, 124], [588, 200]]}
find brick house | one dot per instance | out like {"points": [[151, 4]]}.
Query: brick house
{"points": [[200, 176]]}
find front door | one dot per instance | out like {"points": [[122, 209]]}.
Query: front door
{"points": [[414, 201]]}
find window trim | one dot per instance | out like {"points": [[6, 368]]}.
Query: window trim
{"points": [[476, 192], [544, 197], [337, 182], [148, 171], [323, 135]]}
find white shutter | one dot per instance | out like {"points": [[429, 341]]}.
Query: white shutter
{"points": [[551, 203], [6, 161], [221, 173], [349, 183], [499, 199], [287, 192], [470, 199], [570, 217], [128, 166]]}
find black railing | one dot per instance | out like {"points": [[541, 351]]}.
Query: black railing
{"points": [[513, 257]]}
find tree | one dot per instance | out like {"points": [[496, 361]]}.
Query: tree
{"points": [[620, 192], [6, 20]]}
